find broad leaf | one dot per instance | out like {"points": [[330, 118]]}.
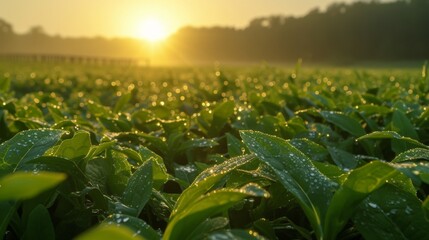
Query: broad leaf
{"points": [[358, 185], [206, 206], [27, 145], [344, 122], [412, 154], [138, 226], [398, 217], [394, 136], [206, 180], [39, 225], [78, 146], [25, 185], [297, 173], [139, 188]]}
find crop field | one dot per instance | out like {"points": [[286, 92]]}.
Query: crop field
{"points": [[116, 152]]}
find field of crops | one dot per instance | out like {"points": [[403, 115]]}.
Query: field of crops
{"points": [[105, 152]]}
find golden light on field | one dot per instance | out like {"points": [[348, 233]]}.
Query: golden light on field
{"points": [[152, 29]]}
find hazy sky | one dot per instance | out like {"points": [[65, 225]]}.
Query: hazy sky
{"points": [[125, 18]]}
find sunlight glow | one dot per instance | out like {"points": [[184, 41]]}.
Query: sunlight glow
{"points": [[152, 30]]}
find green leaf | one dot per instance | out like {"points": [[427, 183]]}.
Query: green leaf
{"points": [[412, 154], [296, 172], [121, 172], [78, 146], [221, 114], [235, 146], [160, 175], [313, 150], [392, 135], [39, 225], [106, 231], [235, 234], [402, 125], [425, 207], [358, 185], [25, 185], [139, 188], [206, 180], [399, 216], [7, 210], [138, 226], [27, 145], [122, 101], [209, 225], [206, 206], [343, 159], [344, 122], [197, 143], [4, 85]]}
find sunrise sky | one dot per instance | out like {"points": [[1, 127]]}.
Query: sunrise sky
{"points": [[142, 18]]}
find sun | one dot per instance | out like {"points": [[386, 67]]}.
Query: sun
{"points": [[152, 30]]}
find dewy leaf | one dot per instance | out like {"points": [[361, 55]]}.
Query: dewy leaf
{"points": [[27, 145], [139, 188], [108, 231], [206, 180], [235, 234], [137, 225], [25, 185], [344, 122], [297, 173], [392, 135], [206, 206], [399, 216], [118, 180], [39, 225], [358, 185], [160, 175], [412, 154], [78, 146]]}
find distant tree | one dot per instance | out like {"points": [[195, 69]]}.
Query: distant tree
{"points": [[5, 28], [36, 31]]}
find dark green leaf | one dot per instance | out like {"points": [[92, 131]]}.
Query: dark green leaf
{"points": [[39, 225], [399, 216], [139, 188], [344, 122]]}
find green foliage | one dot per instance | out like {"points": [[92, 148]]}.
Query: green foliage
{"points": [[240, 154]]}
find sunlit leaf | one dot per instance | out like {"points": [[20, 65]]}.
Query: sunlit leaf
{"points": [[25, 185], [106, 231]]}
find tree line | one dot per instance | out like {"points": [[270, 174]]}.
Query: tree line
{"points": [[361, 31]]}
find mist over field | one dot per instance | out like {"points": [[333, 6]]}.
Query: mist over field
{"points": [[343, 33]]}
